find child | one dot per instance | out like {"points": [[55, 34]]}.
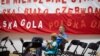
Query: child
{"points": [[52, 46]]}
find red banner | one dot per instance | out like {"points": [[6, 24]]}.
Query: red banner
{"points": [[48, 23]]}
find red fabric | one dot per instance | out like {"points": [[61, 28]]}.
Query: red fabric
{"points": [[74, 23]]}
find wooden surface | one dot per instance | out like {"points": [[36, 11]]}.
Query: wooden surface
{"points": [[13, 55]]}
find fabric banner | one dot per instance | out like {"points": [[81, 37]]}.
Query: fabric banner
{"points": [[45, 16]]}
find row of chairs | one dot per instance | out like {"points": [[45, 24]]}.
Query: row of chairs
{"points": [[93, 46], [85, 46], [37, 42]]}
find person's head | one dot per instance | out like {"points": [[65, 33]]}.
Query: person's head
{"points": [[61, 29], [53, 36]]}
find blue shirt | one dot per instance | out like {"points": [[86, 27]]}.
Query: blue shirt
{"points": [[59, 39]]}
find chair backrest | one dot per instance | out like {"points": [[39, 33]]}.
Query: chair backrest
{"points": [[36, 44], [4, 44], [37, 39], [93, 46], [4, 39], [13, 45], [74, 42], [32, 44], [22, 41], [98, 42], [26, 44], [84, 46]]}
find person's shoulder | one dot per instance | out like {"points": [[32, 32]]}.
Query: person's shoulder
{"points": [[55, 42], [65, 35]]}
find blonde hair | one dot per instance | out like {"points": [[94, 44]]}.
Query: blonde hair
{"points": [[54, 34]]}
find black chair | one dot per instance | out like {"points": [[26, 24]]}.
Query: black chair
{"points": [[22, 41], [4, 39], [4, 53], [39, 41], [94, 47], [98, 42], [75, 43], [82, 45], [25, 48], [13, 45], [35, 43], [16, 51], [28, 45]]}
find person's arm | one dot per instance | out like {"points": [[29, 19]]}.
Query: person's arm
{"points": [[48, 44], [64, 37], [53, 45]]}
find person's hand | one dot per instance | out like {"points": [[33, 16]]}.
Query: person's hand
{"points": [[50, 46], [59, 35], [47, 41]]}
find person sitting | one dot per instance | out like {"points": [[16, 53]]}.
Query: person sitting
{"points": [[51, 48], [62, 38]]}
